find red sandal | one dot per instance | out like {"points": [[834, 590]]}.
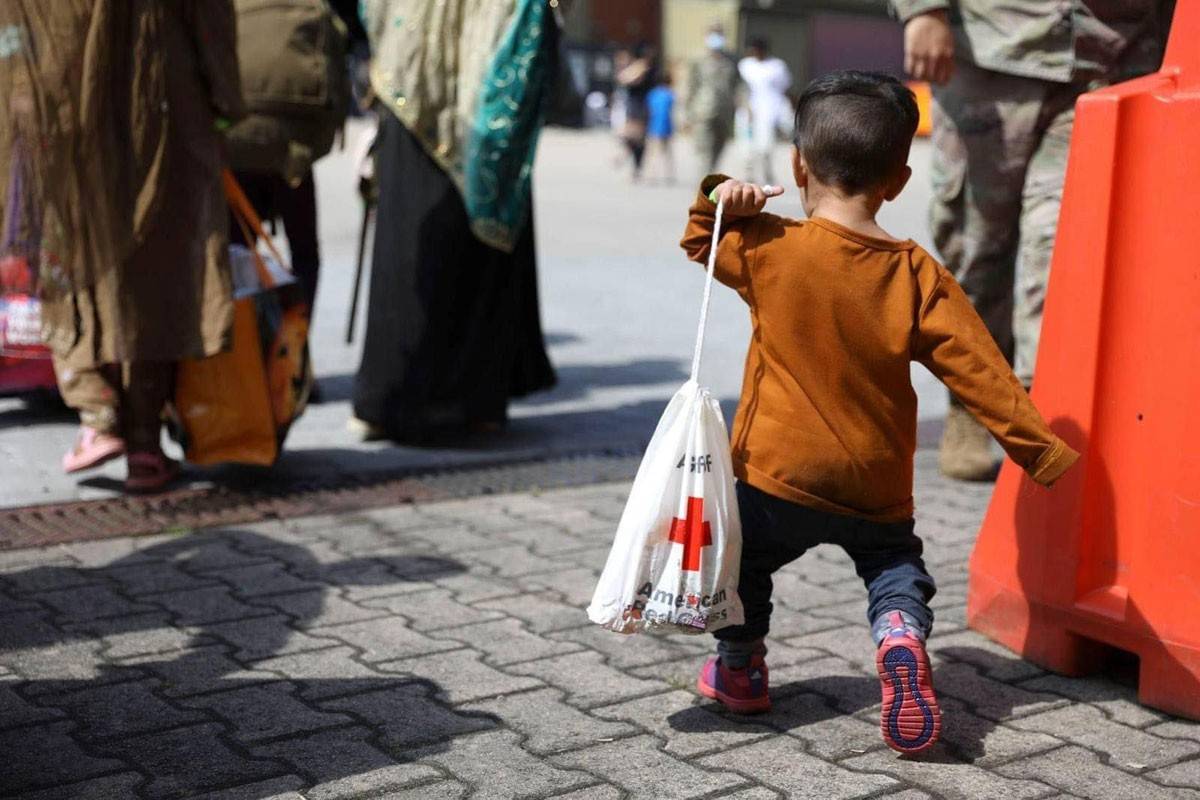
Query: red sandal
{"points": [[149, 472]]}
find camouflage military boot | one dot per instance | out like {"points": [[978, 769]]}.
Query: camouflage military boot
{"points": [[966, 452]]}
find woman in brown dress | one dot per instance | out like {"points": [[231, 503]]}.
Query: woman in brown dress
{"points": [[127, 98]]}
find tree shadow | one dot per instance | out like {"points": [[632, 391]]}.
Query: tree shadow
{"points": [[207, 662]]}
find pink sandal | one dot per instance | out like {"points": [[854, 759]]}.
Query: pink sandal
{"points": [[149, 472], [92, 449]]}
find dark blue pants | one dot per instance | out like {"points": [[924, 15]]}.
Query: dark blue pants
{"points": [[775, 532]]}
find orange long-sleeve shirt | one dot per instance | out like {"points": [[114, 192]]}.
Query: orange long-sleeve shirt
{"points": [[828, 415]]}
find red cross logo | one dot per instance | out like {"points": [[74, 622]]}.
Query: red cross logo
{"points": [[692, 532]]}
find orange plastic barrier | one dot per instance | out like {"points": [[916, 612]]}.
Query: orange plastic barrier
{"points": [[924, 94], [1110, 557]]}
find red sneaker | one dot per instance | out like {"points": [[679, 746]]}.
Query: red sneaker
{"points": [[743, 691], [910, 719]]}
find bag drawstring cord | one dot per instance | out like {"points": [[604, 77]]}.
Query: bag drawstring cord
{"points": [[708, 284]]}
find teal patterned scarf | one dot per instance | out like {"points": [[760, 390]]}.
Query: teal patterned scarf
{"points": [[503, 141], [470, 79]]}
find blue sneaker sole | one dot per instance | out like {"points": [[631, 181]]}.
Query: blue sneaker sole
{"points": [[910, 719]]}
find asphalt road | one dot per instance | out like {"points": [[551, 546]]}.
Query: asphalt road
{"points": [[619, 304]]}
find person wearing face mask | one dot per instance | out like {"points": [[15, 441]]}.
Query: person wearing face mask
{"points": [[711, 99]]}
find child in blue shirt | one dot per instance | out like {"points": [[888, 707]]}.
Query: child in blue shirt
{"points": [[660, 104]]}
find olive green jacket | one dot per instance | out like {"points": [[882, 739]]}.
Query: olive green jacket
{"points": [[712, 89], [1056, 40]]}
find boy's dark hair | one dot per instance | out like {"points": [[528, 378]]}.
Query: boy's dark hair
{"points": [[855, 129]]}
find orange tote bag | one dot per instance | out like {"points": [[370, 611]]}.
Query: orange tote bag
{"points": [[236, 407]]}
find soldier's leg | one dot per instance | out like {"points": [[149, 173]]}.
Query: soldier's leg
{"points": [[984, 126], [721, 133], [702, 139], [1041, 201], [984, 133]]}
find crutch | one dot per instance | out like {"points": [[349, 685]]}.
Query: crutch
{"points": [[368, 215]]}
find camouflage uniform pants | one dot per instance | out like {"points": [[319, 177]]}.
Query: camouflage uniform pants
{"points": [[709, 137], [1000, 156]]}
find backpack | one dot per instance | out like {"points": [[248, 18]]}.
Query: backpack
{"points": [[295, 83]]}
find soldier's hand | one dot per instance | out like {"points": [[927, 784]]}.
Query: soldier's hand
{"points": [[745, 199], [929, 47]]}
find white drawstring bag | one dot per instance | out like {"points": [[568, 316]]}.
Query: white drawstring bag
{"points": [[675, 558]]}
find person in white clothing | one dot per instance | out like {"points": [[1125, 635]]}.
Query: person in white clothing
{"points": [[768, 80]]}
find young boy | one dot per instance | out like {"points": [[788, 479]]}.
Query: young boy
{"points": [[825, 432]]}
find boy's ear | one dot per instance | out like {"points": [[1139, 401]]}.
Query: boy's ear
{"points": [[799, 168], [898, 183]]}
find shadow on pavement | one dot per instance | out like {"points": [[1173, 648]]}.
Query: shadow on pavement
{"points": [[540, 437], [209, 662], [929, 433], [989, 700], [37, 408], [973, 702], [576, 380], [795, 705], [555, 338], [623, 430], [964, 736], [336, 388]]}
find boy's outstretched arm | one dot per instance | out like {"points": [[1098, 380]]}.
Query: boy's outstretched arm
{"points": [[739, 231], [954, 344]]}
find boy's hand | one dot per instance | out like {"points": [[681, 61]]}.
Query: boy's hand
{"points": [[744, 199]]}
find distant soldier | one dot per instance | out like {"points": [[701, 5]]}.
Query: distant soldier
{"points": [[1006, 75], [712, 98]]}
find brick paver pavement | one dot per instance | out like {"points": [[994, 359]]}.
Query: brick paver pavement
{"points": [[441, 651]]}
